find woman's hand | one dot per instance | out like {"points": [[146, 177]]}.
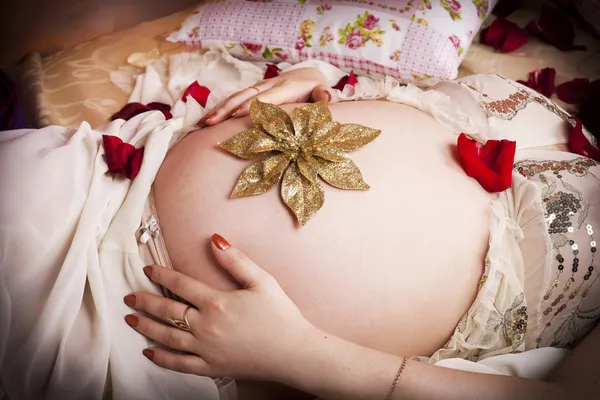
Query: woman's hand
{"points": [[295, 86], [247, 333]]}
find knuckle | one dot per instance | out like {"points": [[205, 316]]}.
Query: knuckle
{"points": [[165, 310], [177, 285], [174, 340], [214, 304]]}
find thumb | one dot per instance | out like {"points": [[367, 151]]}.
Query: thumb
{"points": [[239, 265], [325, 93]]}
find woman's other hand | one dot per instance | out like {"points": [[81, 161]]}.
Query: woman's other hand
{"points": [[295, 86], [247, 333]]}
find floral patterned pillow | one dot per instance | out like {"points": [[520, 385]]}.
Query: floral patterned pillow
{"points": [[416, 41]]}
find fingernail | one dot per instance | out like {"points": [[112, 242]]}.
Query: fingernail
{"points": [[148, 271], [148, 353], [236, 110], [328, 96], [209, 116], [129, 300], [131, 320], [220, 242]]}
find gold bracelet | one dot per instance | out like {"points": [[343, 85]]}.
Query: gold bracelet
{"points": [[397, 378]]}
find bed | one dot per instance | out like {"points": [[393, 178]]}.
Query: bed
{"points": [[93, 80]]}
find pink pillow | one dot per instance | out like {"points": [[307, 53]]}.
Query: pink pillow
{"points": [[412, 40]]}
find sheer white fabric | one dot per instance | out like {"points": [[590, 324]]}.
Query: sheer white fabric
{"points": [[69, 254]]}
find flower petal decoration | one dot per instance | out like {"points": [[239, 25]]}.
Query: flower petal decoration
{"points": [[490, 164], [130, 110], [302, 196], [503, 35], [349, 79], [542, 81], [271, 72], [554, 27], [122, 158], [299, 148], [261, 177], [579, 143], [198, 92]]}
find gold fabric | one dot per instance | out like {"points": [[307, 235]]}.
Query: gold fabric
{"points": [[311, 142]]}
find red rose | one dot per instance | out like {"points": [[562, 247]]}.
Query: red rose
{"points": [[371, 22], [254, 48], [542, 81], [122, 158], [271, 72], [198, 92], [503, 35], [490, 164], [346, 80]]}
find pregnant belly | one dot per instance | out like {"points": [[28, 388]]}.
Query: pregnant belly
{"points": [[393, 268]]}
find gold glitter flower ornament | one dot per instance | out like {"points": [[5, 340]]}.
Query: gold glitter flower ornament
{"points": [[307, 141]]}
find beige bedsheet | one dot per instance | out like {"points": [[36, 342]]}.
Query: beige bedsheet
{"points": [[74, 85]]}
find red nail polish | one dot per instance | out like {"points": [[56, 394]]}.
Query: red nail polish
{"points": [[131, 320], [148, 271], [148, 353], [236, 110], [220, 242], [129, 300], [209, 116]]}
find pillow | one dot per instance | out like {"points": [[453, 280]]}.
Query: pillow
{"points": [[511, 108], [417, 41]]}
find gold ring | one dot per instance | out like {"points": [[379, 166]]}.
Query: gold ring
{"points": [[255, 88], [182, 324]]}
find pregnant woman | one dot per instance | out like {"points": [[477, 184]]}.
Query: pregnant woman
{"points": [[424, 263]]}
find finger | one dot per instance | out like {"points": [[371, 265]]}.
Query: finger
{"points": [[231, 104], [239, 265], [278, 94], [167, 335], [158, 306], [324, 93], [179, 284], [186, 363]]}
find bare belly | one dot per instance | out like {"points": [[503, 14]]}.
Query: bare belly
{"points": [[393, 268]]}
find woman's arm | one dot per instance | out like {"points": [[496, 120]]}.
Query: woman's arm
{"points": [[258, 333]]}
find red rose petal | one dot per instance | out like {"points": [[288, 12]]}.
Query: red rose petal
{"points": [[129, 111], [579, 143], [575, 91], [198, 92], [554, 27], [271, 72], [122, 158], [542, 81], [163, 108], [490, 164], [503, 35], [514, 39], [346, 80]]}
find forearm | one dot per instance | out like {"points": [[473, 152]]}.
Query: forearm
{"points": [[335, 369]]}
